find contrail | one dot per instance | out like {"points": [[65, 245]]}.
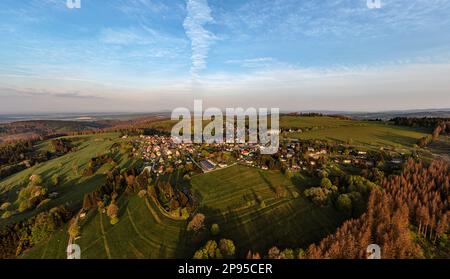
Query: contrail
{"points": [[198, 14]]}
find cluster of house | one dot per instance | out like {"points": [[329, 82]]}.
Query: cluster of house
{"points": [[160, 153], [339, 154]]}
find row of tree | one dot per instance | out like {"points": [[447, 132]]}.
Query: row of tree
{"points": [[15, 157], [425, 122], [13, 153], [440, 129]]}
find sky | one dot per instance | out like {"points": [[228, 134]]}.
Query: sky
{"points": [[153, 55]]}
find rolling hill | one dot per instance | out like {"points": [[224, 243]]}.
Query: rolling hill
{"points": [[247, 211], [73, 184]]}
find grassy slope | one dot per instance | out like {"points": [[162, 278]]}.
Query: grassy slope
{"points": [[54, 248], [441, 148], [144, 232], [73, 186], [364, 133], [309, 122], [232, 198]]}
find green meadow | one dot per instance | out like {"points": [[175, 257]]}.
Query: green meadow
{"points": [[359, 133], [257, 209], [69, 167], [142, 232], [242, 200], [363, 133]]}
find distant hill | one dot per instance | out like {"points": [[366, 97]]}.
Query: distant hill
{"points": [[85, 117], [35, 129], [444, 113], [384, 115]]}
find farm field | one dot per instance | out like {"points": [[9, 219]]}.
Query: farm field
{"points": [[369, 134], [142, 232], [441, 148], [363, 133], [225, 198], [318, 122], [286, 121], [243, 201], [73, 185], [54, 248]]}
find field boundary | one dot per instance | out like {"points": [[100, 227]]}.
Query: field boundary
{"points": [[141, 236], [105, 241], [152, 211]]}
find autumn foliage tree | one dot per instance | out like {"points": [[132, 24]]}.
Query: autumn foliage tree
{"points": [[197, 223], [112, 212], [418, 197]]}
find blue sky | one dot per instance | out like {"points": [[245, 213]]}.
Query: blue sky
{"points": [[146, 55]]}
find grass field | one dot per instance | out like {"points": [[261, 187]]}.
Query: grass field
{"points": [[441, 148], [73, 186], [233, 198], [285, 122], [226, 198], [363, 133], [142, 232], [360, 133], [54, 248], [302, 122]]}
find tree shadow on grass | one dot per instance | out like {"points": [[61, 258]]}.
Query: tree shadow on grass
{"points": [[397, 139], [185, 248], [267, 181], [302, 182], [257, 236]]}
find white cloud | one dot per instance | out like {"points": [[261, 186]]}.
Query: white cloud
{"points": [[198, 15], [122, 37], [141, 8], [341, 18], [352, 88], [252, 62], [355, 88]]}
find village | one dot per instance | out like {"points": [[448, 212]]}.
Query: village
{"points": [[160, 154]]}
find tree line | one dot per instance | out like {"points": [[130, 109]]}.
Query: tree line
{"points": [[15, 157], [439, 126]]}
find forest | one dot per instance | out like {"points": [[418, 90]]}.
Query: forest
{"points": [[418, 199], [20, 155], [407, 216]]}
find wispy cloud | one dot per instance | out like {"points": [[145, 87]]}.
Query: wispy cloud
{"points": [[363, 88], [138, 53], [122, 37], [139, 35], [252, 62], [32, 92], [340, 18], [142, 8], [198, 15]]}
